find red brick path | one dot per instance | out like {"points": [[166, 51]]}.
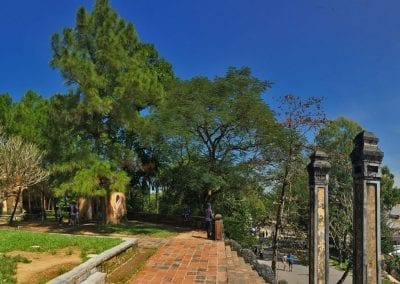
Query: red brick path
{"points": [[191, 258]]}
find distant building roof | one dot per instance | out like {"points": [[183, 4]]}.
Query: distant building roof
{"points": [[395, 210], [394, 218]]}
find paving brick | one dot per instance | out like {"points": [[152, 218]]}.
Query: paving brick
{"points": [[192, 258]]}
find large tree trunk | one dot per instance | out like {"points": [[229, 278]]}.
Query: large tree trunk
{"points": [[15, 205], [85, 206], [116, 207]]}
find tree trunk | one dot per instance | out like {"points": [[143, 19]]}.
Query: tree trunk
{"points": [[278, 225], [149, 204], [341, 280], [104, 205], [156, 199], [15, 206], [43, 205], [29, 201]]}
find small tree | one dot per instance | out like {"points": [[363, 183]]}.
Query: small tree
{"points": [[336, 138], [20, 167], [298, 117]]}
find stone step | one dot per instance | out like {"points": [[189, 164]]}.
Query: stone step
{"points": [[238, 271], [96, 278]]}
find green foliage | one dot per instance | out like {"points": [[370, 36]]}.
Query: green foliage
{"points": [[6, 114], [238, 229], [30, 116], [393, 263], [213, 132], [390, 195], [98, 180], [103, 60], [386, 236], [236, 213]]}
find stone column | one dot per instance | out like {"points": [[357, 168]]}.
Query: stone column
{"points": [[366, 158], [318, 170], [218, 228]]}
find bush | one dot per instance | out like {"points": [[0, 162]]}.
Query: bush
{"points": [[236, 228], [393, 266]]}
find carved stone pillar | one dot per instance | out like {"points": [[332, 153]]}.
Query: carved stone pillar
{"points": [[117, 207], [218, 228], [318, 170], [366, 158]]}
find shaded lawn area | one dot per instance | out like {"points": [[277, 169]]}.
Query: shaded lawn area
{"points": [[131, 228]]}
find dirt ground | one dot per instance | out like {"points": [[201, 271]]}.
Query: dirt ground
{"points": [[45, 266]]}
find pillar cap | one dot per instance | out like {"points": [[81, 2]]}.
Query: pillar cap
{"points": [[366, 148], [319, 161]]}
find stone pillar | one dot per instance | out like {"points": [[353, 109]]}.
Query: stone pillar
{"points": [[366, 158], [318, 170], [218, 228]]}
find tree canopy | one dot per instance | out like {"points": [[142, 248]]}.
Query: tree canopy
{"points": [[128, 124]]}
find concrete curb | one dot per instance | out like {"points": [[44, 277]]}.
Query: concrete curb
{"points": [[95, 264]]}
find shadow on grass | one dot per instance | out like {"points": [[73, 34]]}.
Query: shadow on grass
{"points": [[125, 228]]}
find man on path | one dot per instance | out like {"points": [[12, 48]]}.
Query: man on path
{"points": [[290, 261], [209, 217]]}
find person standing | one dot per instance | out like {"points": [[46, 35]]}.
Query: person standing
{"points": [[74, 214], [209, 218], [262, 236], [59, 215], [290, 261], [186, 214]]}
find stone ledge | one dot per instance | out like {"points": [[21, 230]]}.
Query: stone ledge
{"points": [[96, 264], [96, 278]]}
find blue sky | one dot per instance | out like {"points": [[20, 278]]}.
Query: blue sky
{"points": [[347, 51]]}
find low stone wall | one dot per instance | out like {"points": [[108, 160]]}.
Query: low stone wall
{"points": [[105, 262], [6, 217], [264, 270]]}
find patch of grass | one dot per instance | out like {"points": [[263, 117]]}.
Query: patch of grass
{"points": [[30, 241], [133, 265], [8, 267], [62, 270]]}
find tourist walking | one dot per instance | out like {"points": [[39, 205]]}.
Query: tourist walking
{"points": [[290, 261], [209, 216]]}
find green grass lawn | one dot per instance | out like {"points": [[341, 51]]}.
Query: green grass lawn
{"points": [[12, 240], [30, 241]]}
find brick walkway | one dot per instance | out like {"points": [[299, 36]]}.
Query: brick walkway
{"points": [[191, 258]]}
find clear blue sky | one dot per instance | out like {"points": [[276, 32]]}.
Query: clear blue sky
{"points": [[347, 51]]}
